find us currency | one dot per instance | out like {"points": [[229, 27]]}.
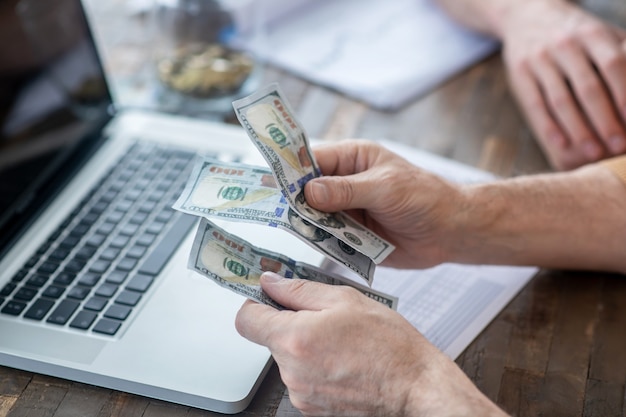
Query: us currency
{"points": [[272, 126], [244, 193], [236, 264]]}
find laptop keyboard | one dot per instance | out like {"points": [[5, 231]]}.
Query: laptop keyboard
{"points": [[100, 262]]}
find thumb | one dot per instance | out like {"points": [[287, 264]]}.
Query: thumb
{"points": [[298, 294], [337, 193]]}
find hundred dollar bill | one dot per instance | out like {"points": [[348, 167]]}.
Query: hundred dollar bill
{"points": [[236, 264], [244, 193], [272, 126]]}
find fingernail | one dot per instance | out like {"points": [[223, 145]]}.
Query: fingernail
{"points": [[591, 150], [617, 144], [319, 192], [271, 277]]}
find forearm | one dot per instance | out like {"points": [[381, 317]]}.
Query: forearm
{"points": [[487, 16], [574, 221]]}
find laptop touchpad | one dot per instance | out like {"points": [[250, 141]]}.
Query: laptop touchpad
{"points": [[42, 342]]}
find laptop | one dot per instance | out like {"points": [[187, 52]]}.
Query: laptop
{"points": [[93, 280]]}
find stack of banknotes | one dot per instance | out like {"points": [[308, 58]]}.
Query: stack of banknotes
{"points": [[273, 197]]}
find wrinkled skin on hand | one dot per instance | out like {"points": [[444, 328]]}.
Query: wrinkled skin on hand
{"points": [[343, 354], [567, 69]]}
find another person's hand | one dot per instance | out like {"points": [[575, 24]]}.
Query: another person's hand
{"points": [[341, 353], [419, 224], [567, 69]]}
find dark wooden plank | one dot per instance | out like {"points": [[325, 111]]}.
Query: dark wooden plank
{"points": [[12, 383], [83, 400], [520, 392], [483, 361], [164, 409], [533, 324], [570, 351], [121, 404], [604, 399], [41, 397], [608, 362]]}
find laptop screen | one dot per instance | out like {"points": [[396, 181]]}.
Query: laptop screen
{"points": [[53, 97]]}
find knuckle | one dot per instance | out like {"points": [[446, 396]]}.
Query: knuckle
{"points": [[613, 62], [592, 30], [560, 102], [590, 89]]}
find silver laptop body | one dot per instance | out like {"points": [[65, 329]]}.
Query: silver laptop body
{"points": [[178, 341]]}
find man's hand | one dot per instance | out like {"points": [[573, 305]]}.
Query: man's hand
{"points": [[410, 207], [341, 353], [567, 69]]}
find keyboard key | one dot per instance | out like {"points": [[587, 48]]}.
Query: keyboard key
{"points": [[79, 230], [165, 215], [86, 252], [32, 261], [129, 229], [138, 218], [100, 266], [95, 240], [65, 278], [126, 264], [106, 228], [25, 294], [153, 264], [155, 228], [146, 239], [139, 283], [39, 309], [99, 207], [89, 279], [116, 277], [107, 326], [115, 217], [118, 312], [37, 280], [70, 242], [63, 312], [47, 268], [78, 293], [13, 308], [19, 276], [119, 241], [109, 254], [106, 290], [136, 252], [7, 289], [129, 298], [90, 218], [60, 253], [96, 303], [74, 266], [53, 291], [83, 320]]}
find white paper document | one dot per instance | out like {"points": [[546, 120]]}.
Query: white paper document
{"points": [[385, 53], [449, 304]]}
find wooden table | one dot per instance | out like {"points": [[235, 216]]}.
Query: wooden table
{"points": [[557, 349]]}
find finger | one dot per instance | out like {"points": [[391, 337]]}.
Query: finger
{"points": [[591, 96], [331, 194], [565, 107], [609, 56], [346, 157], [256, 322], [297, 294], [533, 103]]}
